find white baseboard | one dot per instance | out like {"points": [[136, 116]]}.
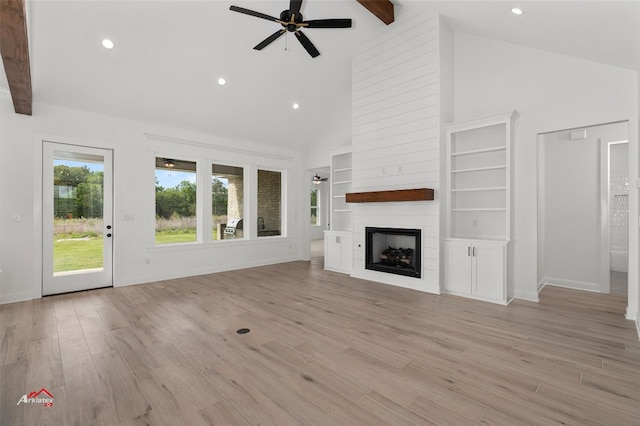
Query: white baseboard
{"points": [[203, 271], [572, 284], [16, 297], [635, 317], [529, 296]]}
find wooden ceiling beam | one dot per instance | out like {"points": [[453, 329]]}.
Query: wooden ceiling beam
{"points": [[14, 48], [383, 9]]}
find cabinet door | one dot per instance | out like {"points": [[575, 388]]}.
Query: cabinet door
{"points": [[346, 252], [332, 254], [457, 267], [489, 271]]}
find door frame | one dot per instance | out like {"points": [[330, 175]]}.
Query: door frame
{"points": [[75, 282]]}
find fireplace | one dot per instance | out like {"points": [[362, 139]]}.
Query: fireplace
{"points": [[394, 250]]}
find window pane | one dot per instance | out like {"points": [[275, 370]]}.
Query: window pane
{"points": [[227, 202], [269, 203], [314, 207], [175, 201], [78, 196]]}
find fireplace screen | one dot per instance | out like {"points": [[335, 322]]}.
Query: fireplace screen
{"points": [[394, 250]]}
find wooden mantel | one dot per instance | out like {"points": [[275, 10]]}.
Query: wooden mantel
{"points": [[419, 194]]}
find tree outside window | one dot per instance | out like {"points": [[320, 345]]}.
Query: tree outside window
{"points": [[175, 201], [315, 217]]}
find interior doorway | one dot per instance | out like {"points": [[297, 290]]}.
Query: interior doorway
{"points": [[77, 242], [582, 183], [319, 193], [615, 202]]}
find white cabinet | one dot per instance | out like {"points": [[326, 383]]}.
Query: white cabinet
{"points": [[338, 247], [476, 268], [338, 251], [479, 203]]}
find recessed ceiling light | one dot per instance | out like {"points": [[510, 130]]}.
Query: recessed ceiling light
{"points": [[222, 81], [517, 11], [107, 44], [296, 106]]}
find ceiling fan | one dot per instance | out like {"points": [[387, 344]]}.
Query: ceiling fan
{"points": [[293, 21], [317, 180]]}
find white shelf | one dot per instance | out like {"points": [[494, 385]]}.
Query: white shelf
{"points": [[479, 191], [479, 151], [478, 169], [497, 209], [342, 183], [489, 188]]}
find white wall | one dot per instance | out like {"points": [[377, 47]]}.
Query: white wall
{"points": [[20, 164], [551, 92], [633, 309], [397, 125]]}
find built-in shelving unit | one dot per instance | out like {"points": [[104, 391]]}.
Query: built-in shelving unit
{"points": [[479, 194], [338, 241], [341, 183], [479, 178]]}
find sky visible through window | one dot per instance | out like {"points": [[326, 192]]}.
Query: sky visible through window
{"points": [[166, 178], [172, 178]]}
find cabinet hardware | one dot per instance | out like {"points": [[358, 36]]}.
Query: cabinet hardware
{"points": [[474, 251], [468, 251]]}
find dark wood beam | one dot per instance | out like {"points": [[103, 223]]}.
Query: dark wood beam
{"points": [[14, 47], [383, 9], [419, 194]]}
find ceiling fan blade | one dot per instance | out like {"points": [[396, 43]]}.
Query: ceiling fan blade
{"points": [[328, 23], [253, 13], [294, 6], [306, 43], [267, 41]]}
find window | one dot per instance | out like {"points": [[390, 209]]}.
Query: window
{"points": [[315, 218], [269, 203], [227, 202], [175, 201]]}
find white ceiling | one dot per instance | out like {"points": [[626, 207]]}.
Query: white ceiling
{"points": [[170, 54]]}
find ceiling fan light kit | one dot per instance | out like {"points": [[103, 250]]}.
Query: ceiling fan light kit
{"points": [[317, 180], [293, 21]]}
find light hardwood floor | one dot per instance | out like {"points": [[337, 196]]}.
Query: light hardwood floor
{"points": [[323, 349]]}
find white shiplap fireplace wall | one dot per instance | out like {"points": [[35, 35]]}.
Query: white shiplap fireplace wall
{"points": [[402, 95]]}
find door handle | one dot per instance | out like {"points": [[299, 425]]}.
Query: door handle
{"points": [[474, 251], [469, 251]]}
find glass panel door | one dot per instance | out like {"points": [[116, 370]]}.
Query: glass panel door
{"points": [[77, 218]]}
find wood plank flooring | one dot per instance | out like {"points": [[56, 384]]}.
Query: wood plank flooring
{"points": [[324, 349]]}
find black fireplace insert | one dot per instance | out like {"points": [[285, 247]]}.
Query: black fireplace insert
{"points": [[394, 250]]}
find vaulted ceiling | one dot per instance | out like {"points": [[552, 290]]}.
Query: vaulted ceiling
{"points": [[168, 56]]}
